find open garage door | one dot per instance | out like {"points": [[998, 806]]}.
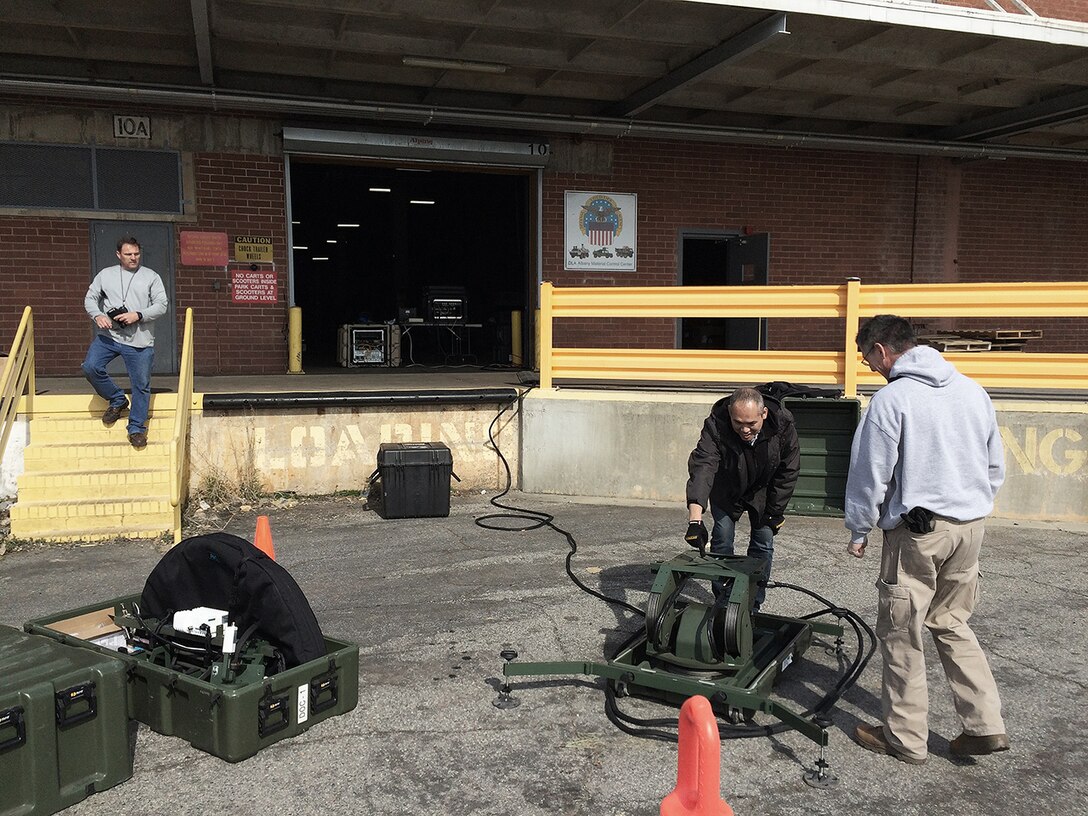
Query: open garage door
{"points": [[441, 252]]}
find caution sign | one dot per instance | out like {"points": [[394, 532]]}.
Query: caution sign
{"points": [[252, 248], [248, 286]]}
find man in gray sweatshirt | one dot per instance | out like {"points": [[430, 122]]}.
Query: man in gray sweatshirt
{"points": [[124, 301], [925, 466]]}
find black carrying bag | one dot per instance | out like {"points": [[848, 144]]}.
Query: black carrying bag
{"points": [[223, 571], [779, 390]]}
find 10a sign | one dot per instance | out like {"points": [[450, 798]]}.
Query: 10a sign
{"points": [[131, 127]]}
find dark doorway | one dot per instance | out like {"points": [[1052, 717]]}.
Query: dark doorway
{"points": [[156, 252], [372, 240], [724, 260]]}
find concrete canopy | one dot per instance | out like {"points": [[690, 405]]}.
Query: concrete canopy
{"points": [[913, 76]]}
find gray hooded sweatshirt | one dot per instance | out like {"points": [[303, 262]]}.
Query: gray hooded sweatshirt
{"points": [[928, 439], [141, 291]]}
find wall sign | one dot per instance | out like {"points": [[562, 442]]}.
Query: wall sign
{"points": [[131, 127], [252, 248], [249, 286], [204, 248], [600, 230]]}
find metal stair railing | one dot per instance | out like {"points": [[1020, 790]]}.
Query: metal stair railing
{"points": [[18, 374], [179, 450]]}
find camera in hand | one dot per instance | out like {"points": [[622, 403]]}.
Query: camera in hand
{"points": [[113, 314]]}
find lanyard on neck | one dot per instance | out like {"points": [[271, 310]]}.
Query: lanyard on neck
{"points": [[124, 291]]}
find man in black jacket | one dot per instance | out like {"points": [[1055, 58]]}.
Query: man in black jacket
{"points": [[747, 461]]}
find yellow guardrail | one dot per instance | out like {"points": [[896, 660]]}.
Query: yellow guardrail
{"points": [[18, 374], [850, 302], [179, 459]]}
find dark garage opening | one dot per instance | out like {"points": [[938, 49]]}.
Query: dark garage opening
{"points": [[372, 241]]}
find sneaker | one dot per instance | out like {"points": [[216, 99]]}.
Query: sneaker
{"points": [[968, 745], [138, 439], [871, 738], [113, 413]]}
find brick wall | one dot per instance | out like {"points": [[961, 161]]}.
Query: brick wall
{"points": [[1058, 9], [45, 263], [882, 218], [238, 195]]}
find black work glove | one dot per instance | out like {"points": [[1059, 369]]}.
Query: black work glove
{"points": [[696, 536], [775, 523]]}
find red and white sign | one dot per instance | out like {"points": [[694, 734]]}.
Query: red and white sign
{"points": [[204, 248], [248, 286]]}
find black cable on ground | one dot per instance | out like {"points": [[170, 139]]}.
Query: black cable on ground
{"points": [[535, 519], [649, 728]]}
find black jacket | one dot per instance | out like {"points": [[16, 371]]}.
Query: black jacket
{"points": [[719, 472]]}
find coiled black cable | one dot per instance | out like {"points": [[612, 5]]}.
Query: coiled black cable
{"points": [[536, 519], [650, 728]]}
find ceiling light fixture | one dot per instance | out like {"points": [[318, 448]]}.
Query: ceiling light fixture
{"points": [[318, 259], [347, 225], [381, 189], [455, 64], [300, 247], [330, 240], [420, 201]]}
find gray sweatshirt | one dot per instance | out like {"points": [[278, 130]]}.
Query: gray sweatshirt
{"points": [[141, 291], [928, 439]]}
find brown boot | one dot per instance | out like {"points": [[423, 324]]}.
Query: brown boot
{"points": [[968, 745], [871, 738], [113, 413]]}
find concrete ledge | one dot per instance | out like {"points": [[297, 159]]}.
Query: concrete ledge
{"points": [[635, 445]]}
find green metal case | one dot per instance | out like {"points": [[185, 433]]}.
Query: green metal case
{"points": [[64, 725], [231, 722], [825, 431]]}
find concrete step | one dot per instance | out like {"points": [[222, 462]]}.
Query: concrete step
{"points": [[33, 531], [77, 458], [92, 508], [87, 519], [52, 430], [104, 484]]}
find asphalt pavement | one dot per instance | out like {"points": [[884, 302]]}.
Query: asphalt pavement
{"points": [[432, 602]]}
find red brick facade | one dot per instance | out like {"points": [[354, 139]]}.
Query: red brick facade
{"points": [[1058, 9], [830, 215], [238, 195]]}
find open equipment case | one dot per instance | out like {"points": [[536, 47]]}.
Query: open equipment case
{"points": [[221, 649]]}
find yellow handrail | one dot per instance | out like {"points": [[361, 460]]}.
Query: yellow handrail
{"points": [[850, 302], [18, 374], [179, 460]]}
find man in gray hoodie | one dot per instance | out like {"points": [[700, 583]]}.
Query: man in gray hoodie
{"points": [[124, 301], [925, 466]]}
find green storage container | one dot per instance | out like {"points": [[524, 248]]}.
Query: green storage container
{"points": [[825, 429], [64, 725], [232, 722]]}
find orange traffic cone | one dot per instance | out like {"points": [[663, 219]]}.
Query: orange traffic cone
{"points": [[698, 778], [263, 538]]}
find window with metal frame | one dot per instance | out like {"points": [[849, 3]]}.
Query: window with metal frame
{"points": [[76, 177]]}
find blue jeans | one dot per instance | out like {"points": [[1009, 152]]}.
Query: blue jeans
{"points": [[103, 351], [760, 544]]}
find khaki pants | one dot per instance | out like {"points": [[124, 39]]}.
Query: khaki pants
{"points": [[931, 580]]}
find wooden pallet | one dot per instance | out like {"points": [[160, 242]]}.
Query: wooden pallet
{"points": [[952, 342], [1003, 334], [1008, 345]]}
